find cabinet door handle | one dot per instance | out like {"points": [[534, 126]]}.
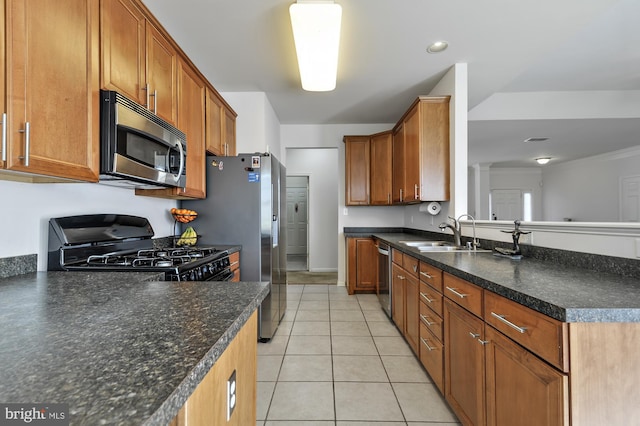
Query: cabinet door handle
{"points": [[234, 264], [146, 96], [27, 142], [415, 191], [415, 268], [509, 323], [4, 136], [474, 335], [155, 102], [400, 277], [425, 274], [424, 342], [425, 297], [426, 320], [484, 342], [454, 291], [400, 194], [389, 198]]}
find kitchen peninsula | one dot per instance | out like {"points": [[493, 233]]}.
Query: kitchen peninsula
{"points": [[553, 339], [119, 348]]}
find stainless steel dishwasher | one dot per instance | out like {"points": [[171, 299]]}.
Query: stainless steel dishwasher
{"points": [[384, 277]]}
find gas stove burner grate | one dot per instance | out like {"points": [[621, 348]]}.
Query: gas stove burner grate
{"points": [[109, 259]]}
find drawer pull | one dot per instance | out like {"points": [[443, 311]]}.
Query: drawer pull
{"points": [[484, 342], [509, 323], [426, 275], [454, 291], [426, 320], [424, 342], [234, 264], [474, 335], [425, 297], [400, 277]]}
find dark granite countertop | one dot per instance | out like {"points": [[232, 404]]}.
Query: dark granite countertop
{"points": [[119, 348], [566, 293]]}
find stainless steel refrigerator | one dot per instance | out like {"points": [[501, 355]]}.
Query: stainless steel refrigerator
{"points": [[246, 205]]}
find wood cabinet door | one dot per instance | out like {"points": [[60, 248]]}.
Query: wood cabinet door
{"points": [[521, 388], [412, 312], [397, 181], [434, 149], [367, 261], [357, 161], [161, 80], [464, 364], [398, 278], [53, 51], [362, 265], [123, 48], [412, 156], [230, 132], [191, 95], [381, 164], [214, 123]]}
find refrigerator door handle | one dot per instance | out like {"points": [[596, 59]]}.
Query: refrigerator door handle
{"points": [[275, 218]]}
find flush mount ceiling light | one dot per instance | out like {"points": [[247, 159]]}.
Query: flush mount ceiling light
{"points": [[543, 160], [438, 47], [316, 33]]}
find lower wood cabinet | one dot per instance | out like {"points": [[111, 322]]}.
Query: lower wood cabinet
{"points": [[464, 364], [362, 265], [521, 389], [234, 265], [405, 297], [207, 405], [397, 296]]}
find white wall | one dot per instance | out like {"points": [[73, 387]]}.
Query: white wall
{"points": [[588, 189], [27, 208], [257, 125], [321, 165], [330, 136]]}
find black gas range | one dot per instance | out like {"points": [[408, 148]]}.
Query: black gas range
{"points": [[115, 242]]}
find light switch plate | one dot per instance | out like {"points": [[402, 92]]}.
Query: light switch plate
{"points": [[231, 394]]}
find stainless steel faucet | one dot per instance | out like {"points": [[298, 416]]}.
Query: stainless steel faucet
{"points": [[475, 244], [455, 228]]}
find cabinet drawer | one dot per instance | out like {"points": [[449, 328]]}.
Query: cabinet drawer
{"points": [[538, 333], [433, 322], [429, 297], [410, 264], [462, 292], [396, 256], [431, 275], [432, 356]]}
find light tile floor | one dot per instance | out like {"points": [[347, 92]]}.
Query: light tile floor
{"points": [[338, 360]]}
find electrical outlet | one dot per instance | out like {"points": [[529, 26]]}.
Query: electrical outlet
{"points": [[231, 394], [637, 247], [526, 239], [345, 211]]}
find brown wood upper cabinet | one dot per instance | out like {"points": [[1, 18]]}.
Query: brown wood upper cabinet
{"points": [[357, 171], [138, 60], [220, 125], [52, 130], [408, 164], [191, 120], [380, 168], [421, 152]]}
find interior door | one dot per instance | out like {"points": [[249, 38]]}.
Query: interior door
{"points": [[297, 215], [506, 204], [630, 199]]}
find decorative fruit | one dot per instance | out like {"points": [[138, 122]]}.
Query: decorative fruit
{"points": [[188, 237]]}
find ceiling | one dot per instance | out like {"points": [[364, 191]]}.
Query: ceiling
{"points": [[568, 70]]}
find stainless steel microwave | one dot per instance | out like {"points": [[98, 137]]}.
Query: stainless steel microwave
{"points": [[137, 148]]}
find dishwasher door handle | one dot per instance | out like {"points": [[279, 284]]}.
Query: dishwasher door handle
{"points": [[383, 251]]}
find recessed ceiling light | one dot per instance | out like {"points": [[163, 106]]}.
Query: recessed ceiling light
{"points": [[438, 47], [543, 160]]}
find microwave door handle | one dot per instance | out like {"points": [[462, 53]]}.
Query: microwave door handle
{"points": [[177, 178]]}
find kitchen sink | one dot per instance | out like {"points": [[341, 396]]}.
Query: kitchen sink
{"points": [[449, 248], [426, 243]]}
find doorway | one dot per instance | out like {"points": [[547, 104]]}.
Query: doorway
{"points": [[297, 223]]}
